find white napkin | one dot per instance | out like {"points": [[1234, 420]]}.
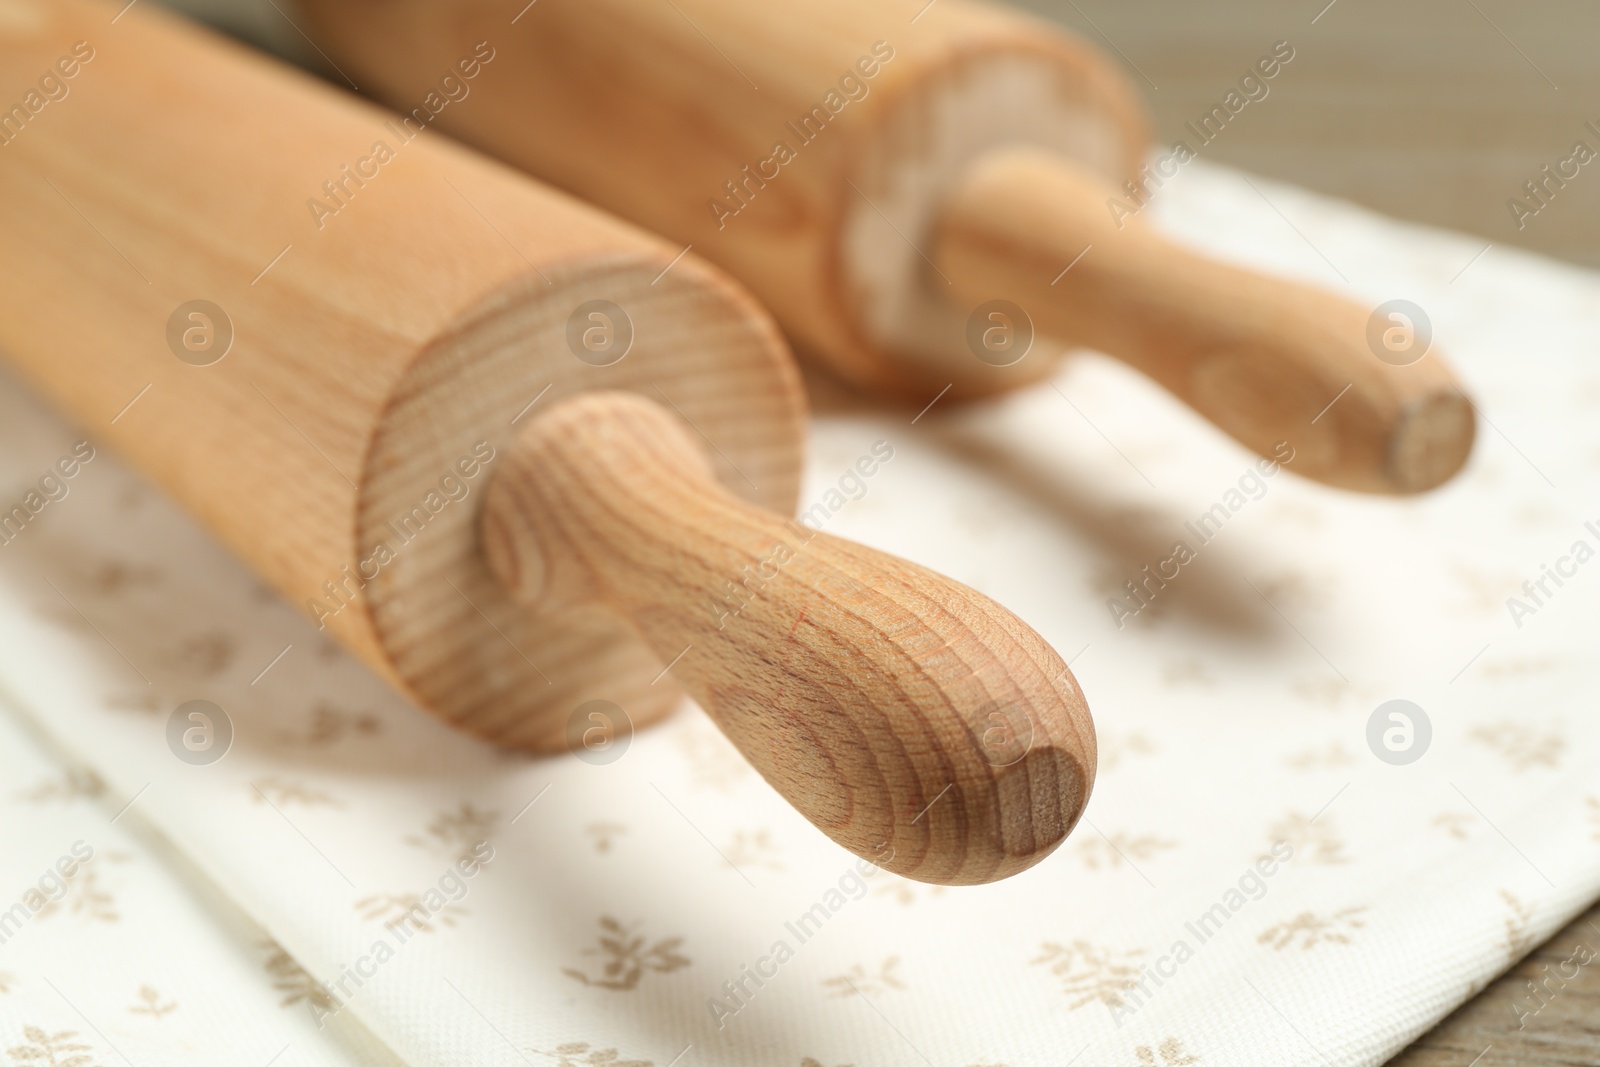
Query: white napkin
{"points": [[612, 911], [114, 948]]}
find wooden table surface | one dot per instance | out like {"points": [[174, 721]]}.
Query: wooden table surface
{"points": [[1436, 110], [1504, 1026]]}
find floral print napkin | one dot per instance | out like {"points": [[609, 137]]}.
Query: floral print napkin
{"points": [[1344, 779]]}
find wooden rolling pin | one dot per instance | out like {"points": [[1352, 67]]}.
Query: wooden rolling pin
{"points": [[448, 357], [855, 163]]}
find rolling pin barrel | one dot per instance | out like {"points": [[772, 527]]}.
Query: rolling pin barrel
{"points": [[831, 153], [508, 451]]}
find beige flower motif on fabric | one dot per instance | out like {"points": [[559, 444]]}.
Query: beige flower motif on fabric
{"points": [[204, 656], [295, 982], [582, 1054], [408, 911], [282, 793], [7, 981], [604, 834], [331, 724], [132, 497], [1315, 838], [115, 576], [1594, 817], [1115, 748], [1328, 692], [754, 848], [1170, 1053], [60, 1049], [74, 783], [86, 896], [628, 957], [1519, 921], [712, 760], [1090, 972], [1521, 746], [1455, 823], [1333, 754], [1189, 671], [1485, 593], [456, 831], [144, 701], [150, 1003], [904, 891], [1307, 930], [858, 981], [808, 1061], [66, 618], [1295, 589], [1519, 668], [1120, 849]]}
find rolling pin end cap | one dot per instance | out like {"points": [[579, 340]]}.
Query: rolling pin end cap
{"points": [[1040, 819], [1023, 796], [1431, 441], [1036, 804]]}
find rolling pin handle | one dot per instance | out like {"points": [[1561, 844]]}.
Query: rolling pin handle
{"points": [[1358, 397], [913, 720]]}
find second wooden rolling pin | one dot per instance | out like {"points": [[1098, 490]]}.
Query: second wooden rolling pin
{"points": [[880, 172], [515, 455]]}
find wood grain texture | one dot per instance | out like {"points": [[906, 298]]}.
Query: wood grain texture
{"points": [[368, 361], [1538, 1014], [841, 239], [912, 719], [655, 111], [406, 327], [1270, 361], [1443, 133]]}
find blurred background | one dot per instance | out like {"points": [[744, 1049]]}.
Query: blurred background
{"points": [[1433, 110]]}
